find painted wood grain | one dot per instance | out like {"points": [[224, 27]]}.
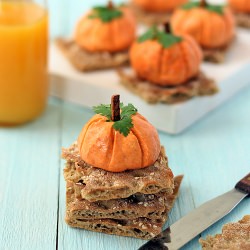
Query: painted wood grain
{"points": [[29, 160], [213, 155]]}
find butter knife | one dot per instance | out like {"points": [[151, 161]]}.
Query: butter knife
{"points": [[192, 224]]}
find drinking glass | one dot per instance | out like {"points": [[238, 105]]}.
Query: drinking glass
{"points": [[23, 60]]}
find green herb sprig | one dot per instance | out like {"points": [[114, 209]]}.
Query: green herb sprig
{"points": [[125, 123], [165, 39], [219, 9], [105, 13]]}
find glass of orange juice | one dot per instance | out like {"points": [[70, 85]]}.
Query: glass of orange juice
{"points": [[23, 60]]}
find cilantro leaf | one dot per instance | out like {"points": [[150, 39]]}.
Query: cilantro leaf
{"points": [[165, 39], [106, 14], [216, 8], [149, 35], [219, 9], [125, 123], [128, 110], [104, 110]]}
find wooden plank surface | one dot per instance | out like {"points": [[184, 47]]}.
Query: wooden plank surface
{"points": [[29, 167], [213, 155]]}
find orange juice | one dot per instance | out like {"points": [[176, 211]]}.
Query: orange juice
{"points": [[23, 61]]}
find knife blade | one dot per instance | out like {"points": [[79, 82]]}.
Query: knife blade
{"points": [[191, 225]]}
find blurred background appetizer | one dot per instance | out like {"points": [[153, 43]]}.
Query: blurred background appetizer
{"points": [[166, 67], [212, 26], [102, 38]]}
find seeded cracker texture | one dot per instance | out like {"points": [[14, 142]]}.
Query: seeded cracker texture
{"points": [[137, 205], [198, 86], [84, 60], [152, 206], [235, 236], [141, 227], [98, 184]]}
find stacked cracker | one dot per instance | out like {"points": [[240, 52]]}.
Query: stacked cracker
{"points": [[130, 203], [84, 60]]}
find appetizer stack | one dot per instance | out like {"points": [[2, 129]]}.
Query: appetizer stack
{"points": [[117, 174], [212, 26], [102, 38], [166, 68]]}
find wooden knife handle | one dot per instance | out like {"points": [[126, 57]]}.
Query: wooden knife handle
{"points": [[244, 184]]}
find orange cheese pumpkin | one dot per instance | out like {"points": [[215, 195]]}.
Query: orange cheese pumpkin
{"points": [[240, 5], [159, 5], [166, 66], [95, 35], [210, 29], [103, 147]]}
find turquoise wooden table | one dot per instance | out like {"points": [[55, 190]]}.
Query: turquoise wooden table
{"points": [[213, 155]]}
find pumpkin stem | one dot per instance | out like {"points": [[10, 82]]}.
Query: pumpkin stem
{"points": [[110, 5], [203, 3], [115, 108], [167, 27]]}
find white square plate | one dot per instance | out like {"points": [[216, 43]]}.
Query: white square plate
{"points": [[91, 89]]}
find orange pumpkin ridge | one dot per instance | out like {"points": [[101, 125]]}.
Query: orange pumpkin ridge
{"points": [[95, 35], [144, 141], [88, 127], [125, 157], [208, 28]]}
